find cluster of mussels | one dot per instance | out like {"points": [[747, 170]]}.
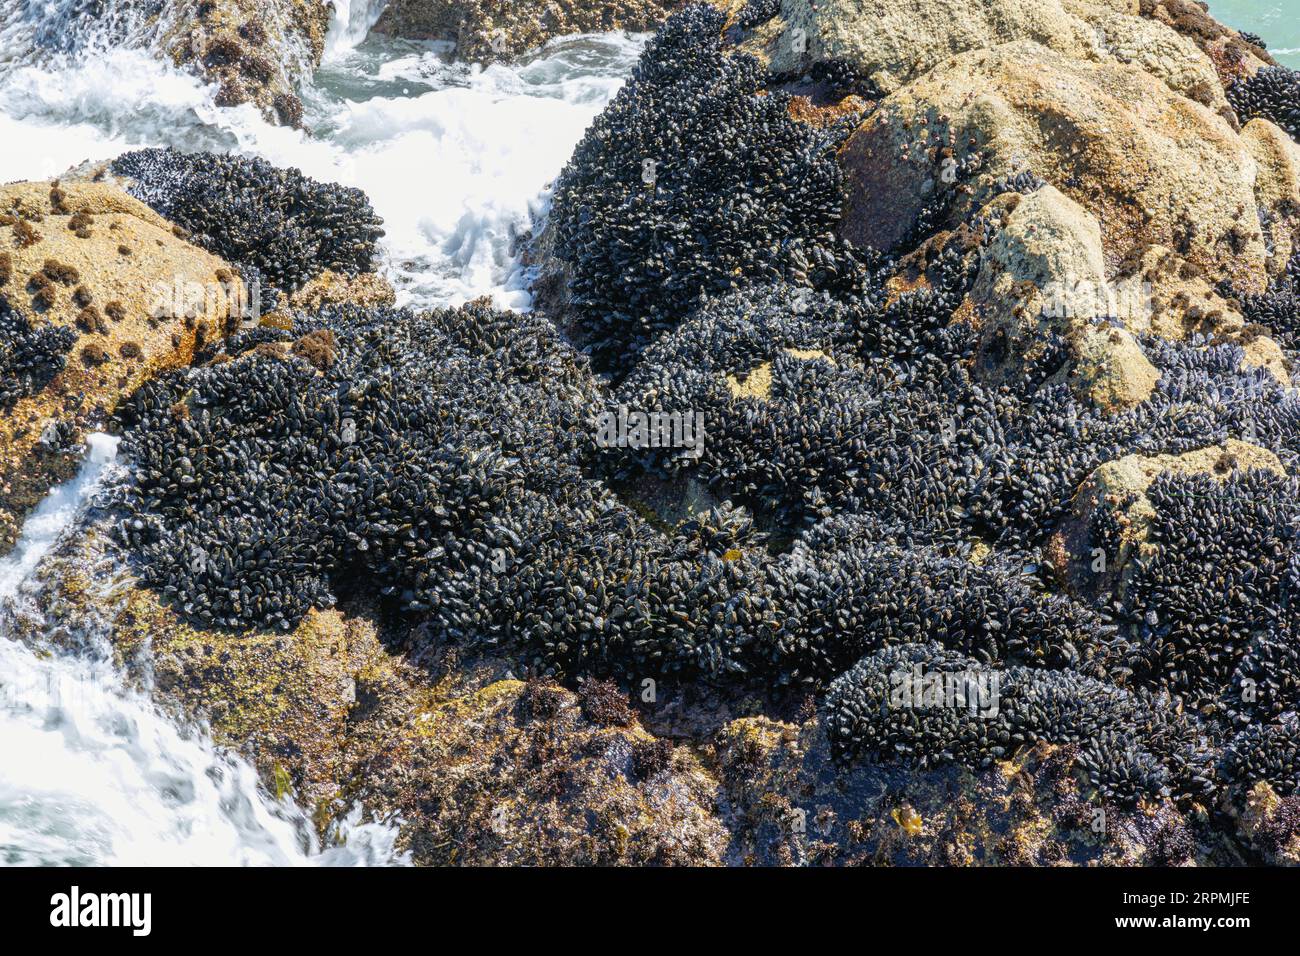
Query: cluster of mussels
{"points": [[757, 12], [1278, 308], [693, 182], [29, 358], [1273, 94], [883, 508], [278, 221]]}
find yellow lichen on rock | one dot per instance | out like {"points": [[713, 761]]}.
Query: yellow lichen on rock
{"points": [[367, 290], [758, 383]]}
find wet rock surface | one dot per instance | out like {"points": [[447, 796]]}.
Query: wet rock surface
{"points": [[484, 31], [256, 52]]}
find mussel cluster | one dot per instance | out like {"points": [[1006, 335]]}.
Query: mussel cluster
{"points": [[250, 212], [1278, 308], [883, 504], [1131, 743], [1272, 94], [29, 358], [694, 181], [382, 447], [757, 12]]}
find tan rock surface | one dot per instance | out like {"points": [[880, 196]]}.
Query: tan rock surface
{"points": [[129, 263], [895, 42], [1153, 167]]}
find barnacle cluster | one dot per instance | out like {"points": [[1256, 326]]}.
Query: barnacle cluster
{"points": [[883, 504], [694, 181], [287, 226], [29, 358], [1273, 94]]}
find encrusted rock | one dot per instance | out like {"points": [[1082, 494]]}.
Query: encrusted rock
{"points": [[1149, 164], [256, 51], [894, 42], [161, 300], [484, 31], [1119, 488]]}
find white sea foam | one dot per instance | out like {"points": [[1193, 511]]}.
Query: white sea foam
{"points": [[350, 22], [92, 773], [456, 160]]}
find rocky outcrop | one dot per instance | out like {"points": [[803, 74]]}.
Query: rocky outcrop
{"points": [[1043, 275], [1152, 166], [484, 31], [136, 297], [1233, 54], [530, 773], [254, 50], [897, 437], [895, 43], [1117, 492], [1043, 278]]}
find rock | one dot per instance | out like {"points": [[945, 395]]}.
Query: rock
{"points": [[284, 700], [1042, 275], [484, 31], [1120, 487], [138, 297], [785, 801], [1161, 52], [1150, 165], [1232, 55], [368, 289], [1162, 294], [482, 769], [256, 51], [517, 773], [894, 43], [1271, 825], [1277, 187]]}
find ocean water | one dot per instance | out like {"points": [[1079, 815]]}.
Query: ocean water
{"points": [[1277, 22]]}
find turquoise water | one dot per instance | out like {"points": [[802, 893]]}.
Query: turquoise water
{"points": [[1277, 21]]}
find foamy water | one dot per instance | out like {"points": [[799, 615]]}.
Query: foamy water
{"points": [[91, 773], [456, 160]]}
